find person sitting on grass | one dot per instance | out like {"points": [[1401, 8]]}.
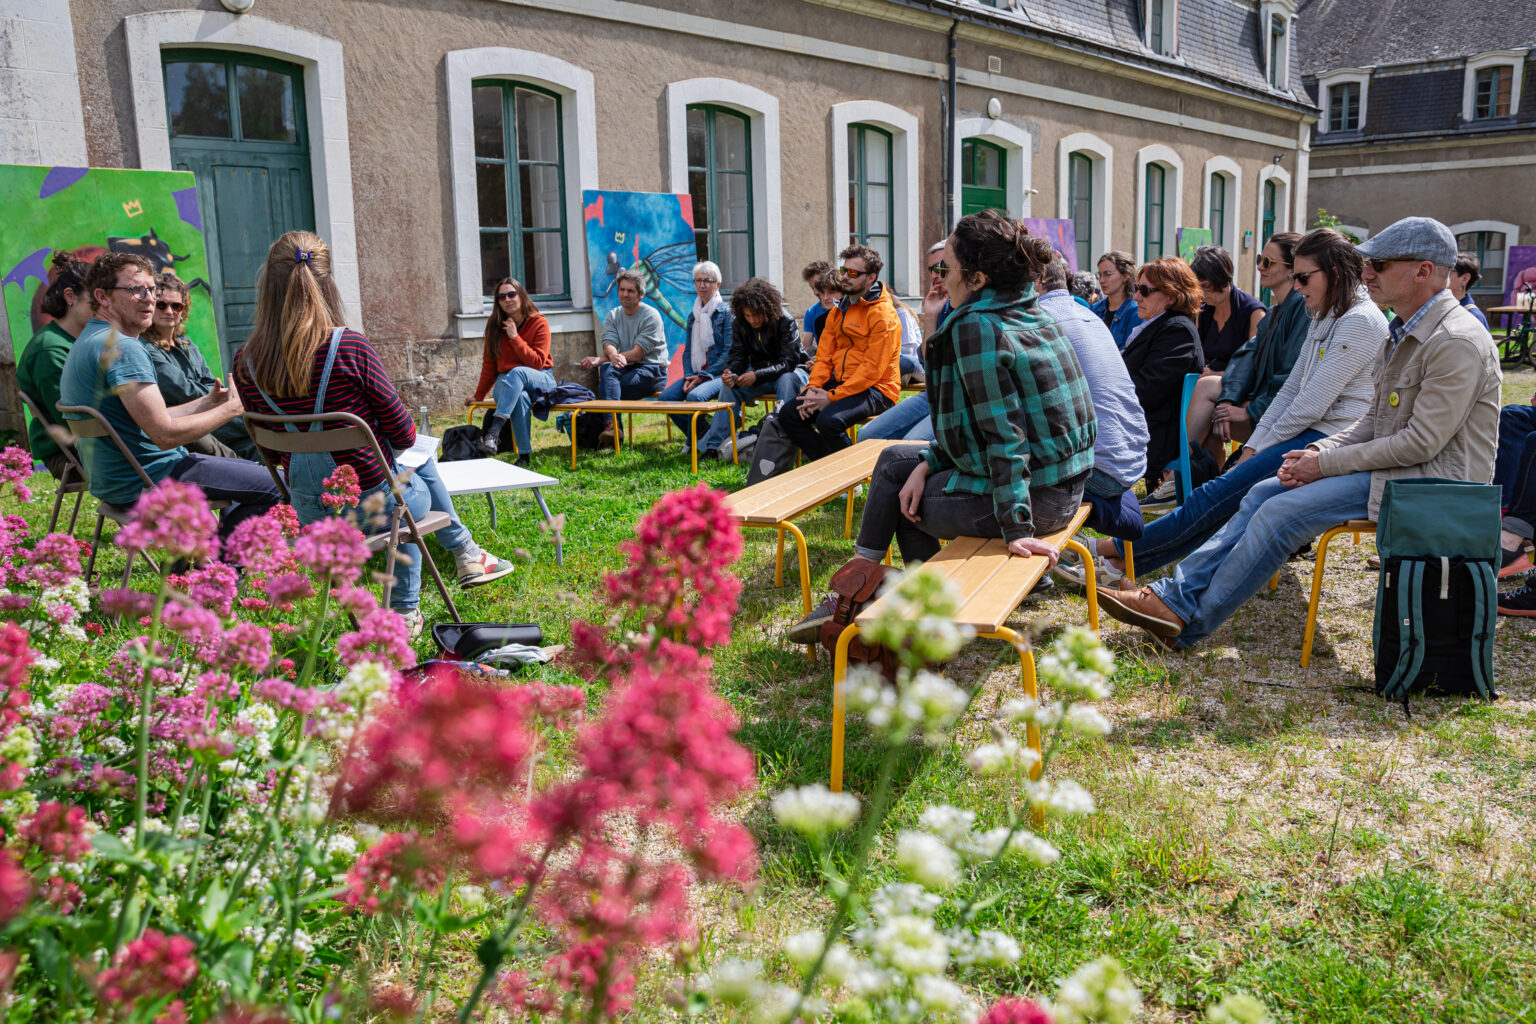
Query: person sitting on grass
{"points": [[302, 359], [634, 359], [764, 359], [1328, 389], [707, 342], [183, 373], [1013, 419], [515, 362]]}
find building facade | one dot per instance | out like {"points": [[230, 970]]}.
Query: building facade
{"points": [[1425, 110], [436, 146]]}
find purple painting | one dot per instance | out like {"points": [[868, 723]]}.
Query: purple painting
{"points": [[1519, 271], [1060, 233]]}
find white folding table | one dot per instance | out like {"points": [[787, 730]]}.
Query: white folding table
{"points": [[487, 476]]}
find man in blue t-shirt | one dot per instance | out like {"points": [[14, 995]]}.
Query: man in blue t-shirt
{"points": [[109, 370]]}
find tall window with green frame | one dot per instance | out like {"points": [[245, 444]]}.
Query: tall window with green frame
{"points": [[1492, 90], [983, 177], [1278, 54], [1218, 209], [1155, 16], [1153, 248], [871, 205], [1267, 225], [520, 182], [720, 182], [1080, 200], [1488, 247]]}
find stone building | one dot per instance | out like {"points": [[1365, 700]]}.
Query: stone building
{"points": [[394, 127], [1425, 110]]}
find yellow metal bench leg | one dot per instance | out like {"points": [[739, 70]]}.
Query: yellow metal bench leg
{"points": [[778, 561], [805, 574], [693, 439], [1130, 564], [1089, 574], [735, 455], [839, 703], [848, 516], [1317, 592], [1031, 690], [574, 414], [1274, 583]]}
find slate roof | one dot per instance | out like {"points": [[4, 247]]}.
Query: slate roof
{"points": [[1337, 34]]}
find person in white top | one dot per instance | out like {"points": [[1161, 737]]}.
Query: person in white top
{"points": [[708, 331]]}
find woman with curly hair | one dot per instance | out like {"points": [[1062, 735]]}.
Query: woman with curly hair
{"points": [[1165, 349], [764, 359], [181, 372]]}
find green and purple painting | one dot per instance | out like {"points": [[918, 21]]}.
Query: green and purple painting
{"points": [[651, 232], [1191, 239], [90, 211]]}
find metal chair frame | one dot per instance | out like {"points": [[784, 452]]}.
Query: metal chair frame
{"points": [[73, 481], [353, 433]]}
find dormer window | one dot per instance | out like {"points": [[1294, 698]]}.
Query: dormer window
{"points": [[1492, 86], [1160, 19], [1275, 25], [1343, 95]]}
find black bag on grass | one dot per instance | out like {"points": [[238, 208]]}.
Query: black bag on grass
{"points": [[774, 452], [460, 443], [1437, 597]]}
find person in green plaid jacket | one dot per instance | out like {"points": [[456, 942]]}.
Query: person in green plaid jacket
{"points": [[1013, 421]]}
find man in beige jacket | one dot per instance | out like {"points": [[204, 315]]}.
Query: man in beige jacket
{"points": [[1435, 413]]}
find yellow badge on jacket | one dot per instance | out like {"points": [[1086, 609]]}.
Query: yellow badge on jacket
{"points": [[1392, 399]]}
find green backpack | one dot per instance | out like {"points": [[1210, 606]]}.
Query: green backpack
{"points": [[1437, 598]]}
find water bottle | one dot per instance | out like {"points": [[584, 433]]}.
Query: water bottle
{"points": [[426, 427]]}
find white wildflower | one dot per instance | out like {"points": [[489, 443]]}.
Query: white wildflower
{"points": [[931, 703], [1033, 849], [909, 944], [772, 1004], [1099, 992], [986, 948], [901, 898], [840, 964], [802, 948], [1006, 757], [1062, 797], [732, 980], [815, 810], [1238, 1008], [472, 896], [980, 846], [1028, 709], [940, 995], [865, 692], [949, 823], [19, 745], [362, 682], [1086, 718], [927, 861]]}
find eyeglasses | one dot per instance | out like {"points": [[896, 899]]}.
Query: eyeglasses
{"points": [[175, 307], [939, 269], [138, 291], [850, 272], [1265, 263], [504, 296], [704, 280], [1379, 265], [1143, 290], [1300, 280]]}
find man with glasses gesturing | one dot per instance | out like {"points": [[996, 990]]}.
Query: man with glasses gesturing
{"points": [[909, 420], [857, 373]]}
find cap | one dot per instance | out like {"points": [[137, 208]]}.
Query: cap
{"points": [[1412, 238]]}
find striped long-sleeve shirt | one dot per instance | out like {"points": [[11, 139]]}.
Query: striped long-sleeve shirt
{"points": [[1330, 386], [1010, 404], [358, 385]]}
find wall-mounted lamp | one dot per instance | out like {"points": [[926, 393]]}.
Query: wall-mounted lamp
{"points": [[994, 108], [238, 6]]}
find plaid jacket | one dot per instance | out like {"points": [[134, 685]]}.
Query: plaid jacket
{"points": [[1009, 402]]}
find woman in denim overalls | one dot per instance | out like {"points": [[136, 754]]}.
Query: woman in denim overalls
{"points": [[300, 359]]}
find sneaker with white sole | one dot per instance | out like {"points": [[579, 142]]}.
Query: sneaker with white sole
{"points": [[481, 569], [808, 629], [415, 620], [1166, 491], [1104, 574]]}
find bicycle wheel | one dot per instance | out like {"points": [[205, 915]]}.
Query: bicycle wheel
{"points": [[1515, 349]]}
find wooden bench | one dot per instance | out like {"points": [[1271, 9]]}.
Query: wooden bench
{"points": [[992, 583], [773, 503], [693, 410]]}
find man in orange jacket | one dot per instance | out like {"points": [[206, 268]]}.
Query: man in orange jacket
{"points": [[857, 373]]}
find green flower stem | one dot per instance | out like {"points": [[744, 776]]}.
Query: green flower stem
{"points": [[314, 634], [202, 827], [147, 661], [498, 946], [426, 960]]}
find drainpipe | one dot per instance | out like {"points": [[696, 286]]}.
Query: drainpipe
{"points": [[949, 136]]}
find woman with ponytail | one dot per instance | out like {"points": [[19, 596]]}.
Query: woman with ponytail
{"points": [[42, 361], [1013, 422], [302, 359]]}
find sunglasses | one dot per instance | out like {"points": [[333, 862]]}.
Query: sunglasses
{"points": [[503, 296], [1379, 265], [939, 269], [175, 307], [850, 272], [138, 291], [1143, 290], [1265, 263], [1300, 280]]}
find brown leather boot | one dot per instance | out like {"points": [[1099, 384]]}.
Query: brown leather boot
{"points": [[1142, 608]]}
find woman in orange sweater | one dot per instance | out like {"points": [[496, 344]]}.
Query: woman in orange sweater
{"points": [[516, 360]]}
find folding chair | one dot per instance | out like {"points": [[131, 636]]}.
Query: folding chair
{"points": [[94, 425], [73, 480], [270, 432]]}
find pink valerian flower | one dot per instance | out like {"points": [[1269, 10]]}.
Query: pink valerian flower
{"points": [[342, 489], [15, 886], [130, 604], [356, 600], [16, 470], [260, 544], [213, 585], [445, 738], [516, 993], [174, 1013], [61, 894], [287, 518], [286, 588], [332, 547], [1015, 1010], [53, 561], [381, 635], [302, 700], [172, 520], [679, 572], [591, 970], [244, 645], [386, 874], [202, 629], [59, 831], [150, 967], [393, 1002], [16, 657]]}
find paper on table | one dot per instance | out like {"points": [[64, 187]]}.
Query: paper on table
{"points": [[418, 453]]}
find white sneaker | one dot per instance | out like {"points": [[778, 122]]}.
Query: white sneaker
{"points": [[1104, 574], [482, 568], [1166, 491], [415, 620]]}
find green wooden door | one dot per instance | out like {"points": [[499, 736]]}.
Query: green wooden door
{"points": [[237, 123], [983, 177]]}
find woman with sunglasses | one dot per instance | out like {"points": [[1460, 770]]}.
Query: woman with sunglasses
{"points": [[1165, 349], [515, 361], [182, 373], [1328, 388]]}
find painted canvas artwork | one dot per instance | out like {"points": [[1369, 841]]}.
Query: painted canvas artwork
{"points": [[1060, 233], [1519, 272], [1191, 239], [653, 233], [90, 211]]}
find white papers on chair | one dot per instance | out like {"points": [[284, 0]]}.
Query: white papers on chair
{"points": [[418, 453]]}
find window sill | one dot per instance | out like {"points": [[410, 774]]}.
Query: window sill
{"points": [[561, 321]]}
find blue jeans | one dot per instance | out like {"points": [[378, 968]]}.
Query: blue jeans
{"points": [[1232, 566], [910, 364], [424, 492], [783, 387], [907, 420], [1102, 485], [246, 485], [1516, 423], [1181, 531], [637, 380], [510, 393], [705, 392]]}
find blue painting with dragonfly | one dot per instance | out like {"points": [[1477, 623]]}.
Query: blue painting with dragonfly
{"points": [[651, 232]]}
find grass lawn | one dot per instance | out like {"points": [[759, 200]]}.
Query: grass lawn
{"points": [[1261, 827]]}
